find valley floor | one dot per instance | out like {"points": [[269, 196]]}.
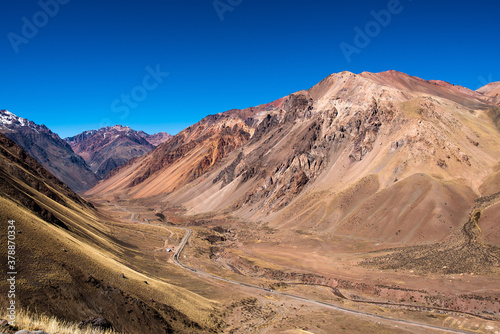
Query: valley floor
{"points": [[293, 282]]}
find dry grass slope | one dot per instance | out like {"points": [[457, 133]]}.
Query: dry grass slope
{"points": [[32, 321], [72, 258]]}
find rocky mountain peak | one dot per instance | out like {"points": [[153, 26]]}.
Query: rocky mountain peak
{"points": [[12, 121], [109, 147], [48, 149], [119, 127]]}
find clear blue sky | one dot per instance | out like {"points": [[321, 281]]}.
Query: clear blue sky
{"points": [[69, 73]]}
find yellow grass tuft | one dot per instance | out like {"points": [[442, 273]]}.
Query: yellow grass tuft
{"points": [[33, 321]]}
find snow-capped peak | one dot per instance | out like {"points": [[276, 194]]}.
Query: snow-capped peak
{"points": [[8, 118]]}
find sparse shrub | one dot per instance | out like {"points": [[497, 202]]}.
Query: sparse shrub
{"points": [[160, 215]]}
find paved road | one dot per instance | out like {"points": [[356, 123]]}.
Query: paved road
{"points": [[307, 300]]}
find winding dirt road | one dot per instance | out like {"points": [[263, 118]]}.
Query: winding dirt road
{"points": [[308, 300], [303, 299]]}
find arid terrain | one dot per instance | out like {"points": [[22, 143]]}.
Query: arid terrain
{"points": [[110, 147], [49, 150], [367, 203]]}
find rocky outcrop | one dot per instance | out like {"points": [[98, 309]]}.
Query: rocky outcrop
{"points": [[298, 106], [365, 127]]}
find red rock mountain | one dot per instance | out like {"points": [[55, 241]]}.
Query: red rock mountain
{"points": [[49, 150], [492, 90], [380, 156], [110, 147]]}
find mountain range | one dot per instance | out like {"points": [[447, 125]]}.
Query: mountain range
{"points": [[49, 150], [80, 161], [110, 147], [378, 192], [342, 157]]}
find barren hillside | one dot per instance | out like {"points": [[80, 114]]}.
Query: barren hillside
{"points": [[382, 156], [72, 265]]}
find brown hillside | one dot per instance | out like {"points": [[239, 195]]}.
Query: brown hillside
{"points": [[412, 155], [69, 261]]}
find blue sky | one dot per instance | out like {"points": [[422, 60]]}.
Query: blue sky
{"points": [[76, 70]]}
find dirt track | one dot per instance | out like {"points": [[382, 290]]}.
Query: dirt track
{"points": [[308, 300], [186, 237]]}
